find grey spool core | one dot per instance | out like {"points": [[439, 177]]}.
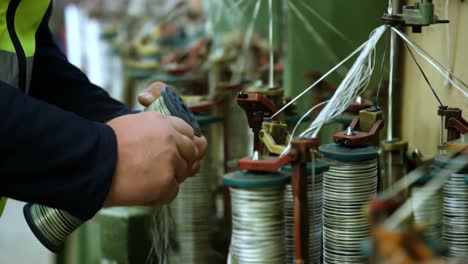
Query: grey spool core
{"points": [[179, 109]]}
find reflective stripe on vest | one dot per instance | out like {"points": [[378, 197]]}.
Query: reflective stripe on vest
{"points": [[19, 21]]}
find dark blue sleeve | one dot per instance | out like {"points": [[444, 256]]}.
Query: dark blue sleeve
{"points": [[53, 157], [58, 82]]}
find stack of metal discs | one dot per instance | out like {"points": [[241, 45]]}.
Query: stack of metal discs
{"points": [[193, 213], [289, 223], [257, 217], [455, 214], [348, 186], [429, 214], [314, 198]]}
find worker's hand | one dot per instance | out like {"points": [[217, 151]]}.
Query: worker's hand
{"points": [[155, 154], [150, 95]]}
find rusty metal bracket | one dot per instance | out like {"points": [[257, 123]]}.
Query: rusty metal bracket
{"points": [[268, 163], [454, 122], [364, 129], [257, 107]]}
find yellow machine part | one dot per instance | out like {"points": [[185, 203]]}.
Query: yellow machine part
{"points": [[367, 119], [275, 137]]}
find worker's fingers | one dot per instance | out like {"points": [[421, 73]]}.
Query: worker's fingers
{"points": [[195, 168], [152, 93], [182, 168], [187, 149], [202, 145], [181, 126]]}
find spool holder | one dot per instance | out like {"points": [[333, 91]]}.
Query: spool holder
{"points": [[58, 224], [257, 106], [182, 62], [454, 122], [364, 129], [299, 156], [394, 152]]}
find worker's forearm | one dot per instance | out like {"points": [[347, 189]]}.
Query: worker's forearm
{"points": [[53, 157]]}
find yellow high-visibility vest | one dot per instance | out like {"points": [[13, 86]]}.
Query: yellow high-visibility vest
{"points": [[19, 22]]}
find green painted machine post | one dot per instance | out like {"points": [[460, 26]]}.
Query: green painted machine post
{"points": [[124, 238]]}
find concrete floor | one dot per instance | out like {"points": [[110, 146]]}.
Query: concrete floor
{"points": [[18, 245]]}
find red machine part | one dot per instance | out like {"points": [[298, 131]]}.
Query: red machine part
{"points": [[206, 105], [257, 106], [183, 61], [267, 163], [358, 137], [217, 100], [255, 102], [454, 122]]}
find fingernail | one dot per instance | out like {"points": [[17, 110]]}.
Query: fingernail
{"points": [[147, 95]]}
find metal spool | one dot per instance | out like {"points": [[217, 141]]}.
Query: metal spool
{"points": [[52, 226], [348, 185], [193, 209], [455, 213], [428, 214], [257, 217], [314, 198]]}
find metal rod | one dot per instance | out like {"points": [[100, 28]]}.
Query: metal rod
{"points": [[272, 59], [390, 85], [441, 136], [389, 170]]}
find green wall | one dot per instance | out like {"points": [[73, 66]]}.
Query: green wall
{"points": [[355, 18]]}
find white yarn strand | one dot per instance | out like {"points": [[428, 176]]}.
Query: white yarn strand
{"points": [[326, 23], [318, 38], [355, 81], [320, 79], [443, 70], [246, 43]]}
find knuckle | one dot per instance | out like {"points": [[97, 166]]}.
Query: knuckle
{"points": [[172, 156], [167, 135]]}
